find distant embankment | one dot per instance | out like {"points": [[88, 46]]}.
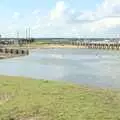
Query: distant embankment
{"points": [[11, 52]]}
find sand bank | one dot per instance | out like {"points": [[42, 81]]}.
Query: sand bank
{"points": [[54, 46]]}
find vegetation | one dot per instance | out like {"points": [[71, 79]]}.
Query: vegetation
{"points": [[27, 99]]}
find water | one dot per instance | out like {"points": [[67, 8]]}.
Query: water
{"points": [[84, 66]]}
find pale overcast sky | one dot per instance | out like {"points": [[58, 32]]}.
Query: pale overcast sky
{"points": [[60, 18]]}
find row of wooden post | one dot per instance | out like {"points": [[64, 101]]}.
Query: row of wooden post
{"points": [[14, 51], [115, 46]]}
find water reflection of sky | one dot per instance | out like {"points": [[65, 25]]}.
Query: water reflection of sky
{"points": [[100, 68]]}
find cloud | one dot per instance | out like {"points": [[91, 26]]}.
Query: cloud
{"points": [[109, 8], [36, 12], [59, 11], [107, 16], [65, 21], [16, 15]]}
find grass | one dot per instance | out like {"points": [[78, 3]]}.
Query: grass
{"points": [[27, 99]]}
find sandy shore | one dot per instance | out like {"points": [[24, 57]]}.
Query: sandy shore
{"points": [[47, 46], [54, 46]]}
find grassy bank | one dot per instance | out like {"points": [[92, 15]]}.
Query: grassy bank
{"points": [[26, 99]]}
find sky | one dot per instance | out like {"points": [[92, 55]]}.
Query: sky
{"points": [[60, 18]]}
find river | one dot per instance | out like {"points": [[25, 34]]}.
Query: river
{"points": [[82, 66]]}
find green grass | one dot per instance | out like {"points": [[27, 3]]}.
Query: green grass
{"points": [[26, 99]]}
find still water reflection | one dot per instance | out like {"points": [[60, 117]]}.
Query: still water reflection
{"points": [[84, 66]]}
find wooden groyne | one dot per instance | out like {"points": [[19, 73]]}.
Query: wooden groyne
{"points": [[11, 52], [98, 45]]}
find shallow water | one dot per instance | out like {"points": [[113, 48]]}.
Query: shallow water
{"points": [[90, 67]]}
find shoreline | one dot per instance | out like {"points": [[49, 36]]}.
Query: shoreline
{"points": [[35, 46]]}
